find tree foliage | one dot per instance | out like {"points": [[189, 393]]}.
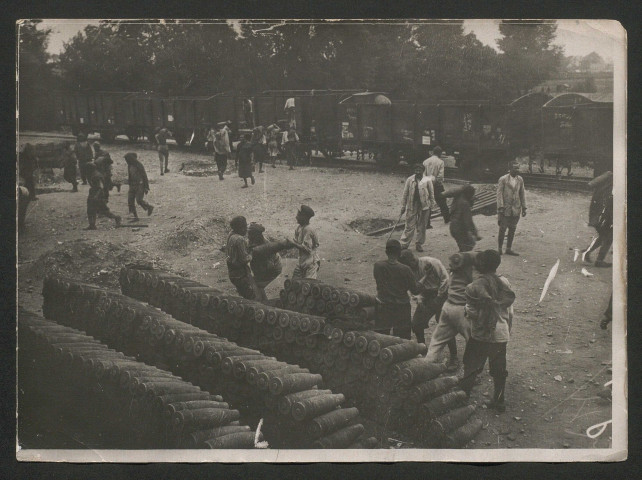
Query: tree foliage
{"points": [[35, 78], [426, 61], [529, 55]]}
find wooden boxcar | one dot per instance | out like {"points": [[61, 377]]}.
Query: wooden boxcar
{"points": [[579, 128]]}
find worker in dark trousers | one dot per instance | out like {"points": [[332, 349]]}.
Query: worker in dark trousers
{"points": [[434, 166], [103, 164], [462, 227], [84, 154], [69, 163], [96, 203], [604, 228], [138, 185], [394, 281], [266, 261], [489, 310], [28, 165], [239, 258], [511, 202], [432, 274]]}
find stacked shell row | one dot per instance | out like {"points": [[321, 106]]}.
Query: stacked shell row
{"points": [[136, 401], [384, 376], [257, 385]]}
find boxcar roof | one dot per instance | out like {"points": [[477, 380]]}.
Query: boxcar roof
{"points": [[570, 99]]}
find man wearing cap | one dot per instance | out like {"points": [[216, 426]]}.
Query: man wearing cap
{"points": [[489, 309], [452, 320], [434, 166], [511, 202], [163, 150], [84, 154], [266, 261], [394, 281], [418, 199], [432, 274], [306, 241], [138, 185], [239, 258]]}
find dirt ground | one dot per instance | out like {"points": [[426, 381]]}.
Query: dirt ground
{"points": [[558, 357]]}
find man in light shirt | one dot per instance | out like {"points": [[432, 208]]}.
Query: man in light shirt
{"points": [[511, 202], [418, 199], [434, 166]]}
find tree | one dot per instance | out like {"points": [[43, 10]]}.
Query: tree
{"points": [[528, 54], [34, 76]]}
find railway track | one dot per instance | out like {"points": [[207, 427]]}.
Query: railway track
{"points": [[536, 180]]}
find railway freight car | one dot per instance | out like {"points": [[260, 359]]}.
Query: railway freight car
{"points": [[579, 128], [93, 112]]}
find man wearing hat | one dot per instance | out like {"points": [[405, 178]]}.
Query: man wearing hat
{"points": [[418, 199], [84, 154], [138, 185], [305, 239], [221, 148], [394, 281], [511, 203], [163, 150], [266, 261]]}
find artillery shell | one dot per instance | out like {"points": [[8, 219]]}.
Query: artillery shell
{"points": [[315, 406], [234, 440], [341, 438]]}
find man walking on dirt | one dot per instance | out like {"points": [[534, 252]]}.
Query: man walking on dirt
{"points": [[138, 185], [221, 148], [511, 202], [434, 166], [394, 281], [418, 198], [84, 154], [96, 202], [163, 150]]}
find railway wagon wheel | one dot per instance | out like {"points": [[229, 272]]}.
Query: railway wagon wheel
{"points": [[386, 158], [107, 136]]}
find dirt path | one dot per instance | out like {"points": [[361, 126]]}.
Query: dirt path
{"points": [[558, 358]]}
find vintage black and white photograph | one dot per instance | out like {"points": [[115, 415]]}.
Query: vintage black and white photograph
{"points": [[321, 240]]}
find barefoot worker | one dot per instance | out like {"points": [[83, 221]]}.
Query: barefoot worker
{"points": [[239, 258], [138, 185]]}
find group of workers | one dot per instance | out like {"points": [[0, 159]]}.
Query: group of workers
{"points": [[261, 146], [424, 191], [253, 262]]}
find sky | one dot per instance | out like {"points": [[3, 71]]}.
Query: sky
{"points": [[578, 37]]}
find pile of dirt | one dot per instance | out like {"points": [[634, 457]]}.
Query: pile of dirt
{"points": [[95, 262], [196, 168], [194, 233], [365, 224]]}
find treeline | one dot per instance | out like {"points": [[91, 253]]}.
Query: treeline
{"points": [[413, 60]]}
